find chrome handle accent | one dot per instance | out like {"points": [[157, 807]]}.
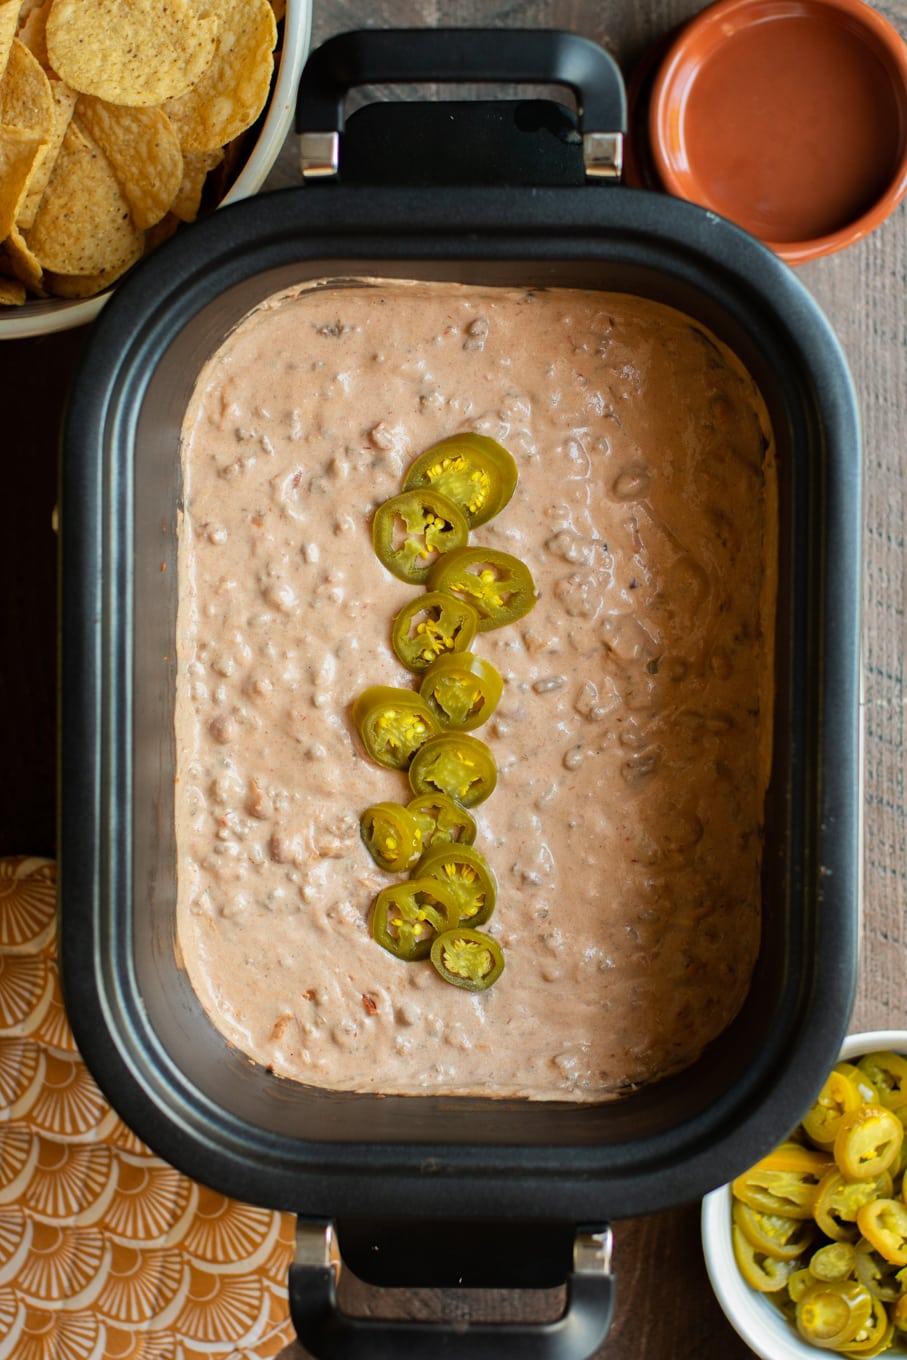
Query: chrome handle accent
{"points": [[319, 154], [603, 154], [592, 1251], [316, 1246]]}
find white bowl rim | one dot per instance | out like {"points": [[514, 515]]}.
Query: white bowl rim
{"points": [[752, 1316], [40, 317]]}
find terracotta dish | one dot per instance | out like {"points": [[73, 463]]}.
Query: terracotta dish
{"points": [[787, 116]]}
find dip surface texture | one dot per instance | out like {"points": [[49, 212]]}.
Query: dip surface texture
{"points": [[632, 738]]}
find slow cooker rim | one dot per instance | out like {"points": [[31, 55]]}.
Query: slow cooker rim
{"points": [[136, 321]]}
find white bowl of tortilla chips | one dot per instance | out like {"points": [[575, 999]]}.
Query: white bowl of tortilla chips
{"points": [[120, 120]]}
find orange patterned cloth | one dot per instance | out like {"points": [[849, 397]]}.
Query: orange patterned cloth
{"points": [[106, 1252]]}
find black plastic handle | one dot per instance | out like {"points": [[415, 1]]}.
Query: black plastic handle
{"points": [[473, 55], [328, 1333]]}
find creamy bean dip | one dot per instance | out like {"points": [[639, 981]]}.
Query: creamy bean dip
{"points": [[633, 736]]}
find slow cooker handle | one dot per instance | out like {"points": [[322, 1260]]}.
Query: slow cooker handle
{"points": [[465, 55], [328, 1333]]}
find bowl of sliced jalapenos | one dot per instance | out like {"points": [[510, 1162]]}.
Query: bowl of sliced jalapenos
{"points": [[807, 1250]]}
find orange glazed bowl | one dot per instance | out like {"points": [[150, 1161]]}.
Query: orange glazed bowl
{"points": [[789, 117]]}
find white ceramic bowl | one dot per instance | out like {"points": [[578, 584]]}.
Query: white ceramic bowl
{"points": [[750, 1313], [39, 317]]}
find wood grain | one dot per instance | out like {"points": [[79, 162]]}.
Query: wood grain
{"points": [[665, 1307]]}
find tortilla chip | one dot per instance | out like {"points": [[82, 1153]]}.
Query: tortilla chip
{"points": [[83, 224], [33, 30], [25, 97], [9, 19], [27, 8], [64, 101], [83, 285], [143, 151], [12, 293], [139, 53], [18, 149], [21, 262], [196, 165], [233, 91]]}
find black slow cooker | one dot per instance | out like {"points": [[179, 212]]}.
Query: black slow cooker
{"points": [[429, 1190]]}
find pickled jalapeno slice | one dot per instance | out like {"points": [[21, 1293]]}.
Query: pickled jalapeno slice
{"points": [[876, 1334], [868, 1093], [461, 689], [764, 1272], [410, 532], [498, 585], [838, 1202], [831, 1313], [888, 1074], [393, 723], [468, 875], [392, 836], [784, 1238], [457, 764], [467, 958], [408, 917], [878, 1275], [834, 1261], [883, 1223], [867, 1142], [441, 821], [431, 625], [475, 472], [785, 1182], [838, 1097]]}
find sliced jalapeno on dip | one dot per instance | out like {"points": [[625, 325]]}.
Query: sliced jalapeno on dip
{"points": [[441, 821], [431, 625], [408, 917], [393, 723], [461, 689], [456, 764], [468, 875], [467, 958], [475, 472], [411, 531], [392, 836], [498, 585]]}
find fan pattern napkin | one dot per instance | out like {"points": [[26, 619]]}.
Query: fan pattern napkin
{"points": [[106, 1252]]}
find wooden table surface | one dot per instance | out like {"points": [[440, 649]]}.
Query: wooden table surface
{"points": [[665, 1307]]}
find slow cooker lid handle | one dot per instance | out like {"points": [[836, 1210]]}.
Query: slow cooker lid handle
{"points": [[328, 1333], [463, 55]]}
